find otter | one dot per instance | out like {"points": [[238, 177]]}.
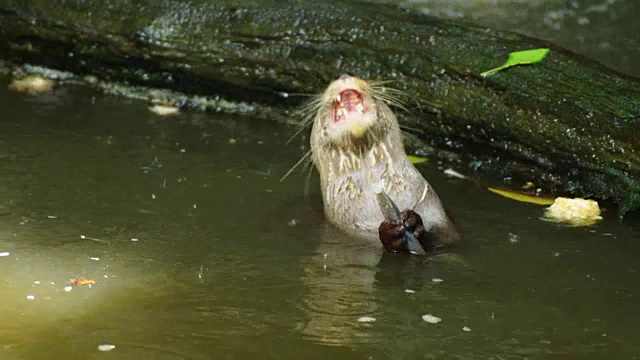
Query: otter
{"points": [[356, 144]]}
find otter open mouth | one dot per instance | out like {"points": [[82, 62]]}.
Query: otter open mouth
{"points": [[349, 105]]}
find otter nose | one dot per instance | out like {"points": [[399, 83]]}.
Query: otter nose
{"points": [[344, 76]]}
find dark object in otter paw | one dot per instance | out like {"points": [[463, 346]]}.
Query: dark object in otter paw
{"points": [[394, 237]]}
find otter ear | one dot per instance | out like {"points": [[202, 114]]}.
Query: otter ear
{"points": [[344, 76]]}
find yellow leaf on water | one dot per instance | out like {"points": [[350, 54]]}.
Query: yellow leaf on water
{"points": [[522, 197], [416, 159]]}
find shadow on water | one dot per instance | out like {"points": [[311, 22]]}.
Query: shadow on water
{"points": [[204, 253]]}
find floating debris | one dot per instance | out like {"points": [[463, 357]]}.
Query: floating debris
{"points": [[83, 237], [134, 239], [31, 297], [528, 185], [232, 141], [293, 222], [32, 85], [94, 258], [37, 282], [68, 288], [3, 254], [466, 328], [51, 217], [78, 282], [437, 280], [366, 319], [513, 238], [431, 319], [409, 291], [106, 347], [164, 110], [576, 212], [453, 173]]}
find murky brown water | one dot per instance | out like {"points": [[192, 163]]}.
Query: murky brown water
{"points": [[217, 272]]}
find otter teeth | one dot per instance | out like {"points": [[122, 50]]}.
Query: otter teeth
{"points": [[339, 98], [342, 113]]}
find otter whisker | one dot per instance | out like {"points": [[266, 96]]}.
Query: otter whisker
{"points": [[379, 89], [304, 157], [307, 113], [410, 129], [390, 96], [394, 102], [307, 120], [389, 90], [302, 127], [379, 83], [307, 180], [393, 98], [300, 94], [310, 106], [308, 164]]}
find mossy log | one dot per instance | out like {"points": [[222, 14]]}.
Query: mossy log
{"points": [[568, 124]]}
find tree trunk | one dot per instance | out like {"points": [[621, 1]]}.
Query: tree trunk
{"points": [[568, 124]]}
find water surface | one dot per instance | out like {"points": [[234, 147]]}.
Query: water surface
{"points": [[199, 252]]}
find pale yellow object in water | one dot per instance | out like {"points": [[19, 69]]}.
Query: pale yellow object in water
{"points": [[577, 212], [32, 85], [164, 110]]}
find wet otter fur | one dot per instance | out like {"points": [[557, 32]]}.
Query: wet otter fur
{"points": [[356, 143]]}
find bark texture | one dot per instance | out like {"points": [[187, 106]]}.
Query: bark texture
{"points": [[568, 124]]}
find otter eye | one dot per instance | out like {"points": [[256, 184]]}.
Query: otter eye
{"points": [[344, 76]]}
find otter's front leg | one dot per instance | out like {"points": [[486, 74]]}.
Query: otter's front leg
{"points": [[403, 235]]}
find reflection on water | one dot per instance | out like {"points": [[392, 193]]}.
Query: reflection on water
{"points": [[339, 278], [344, 279], [189, 236]]}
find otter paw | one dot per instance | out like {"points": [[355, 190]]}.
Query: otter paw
{"points": [[392, 233], [413, 222]]}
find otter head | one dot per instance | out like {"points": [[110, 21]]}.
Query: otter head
{"points": [[350, 114], [353, 127]]}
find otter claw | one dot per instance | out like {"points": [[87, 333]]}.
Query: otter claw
{"points": [[402, 234]]}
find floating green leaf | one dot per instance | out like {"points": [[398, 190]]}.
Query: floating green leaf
{"points": [[520, 58], [416, 159]]}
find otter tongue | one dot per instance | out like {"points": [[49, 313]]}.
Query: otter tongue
{"points": [[349, 99], [349, 108]]}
